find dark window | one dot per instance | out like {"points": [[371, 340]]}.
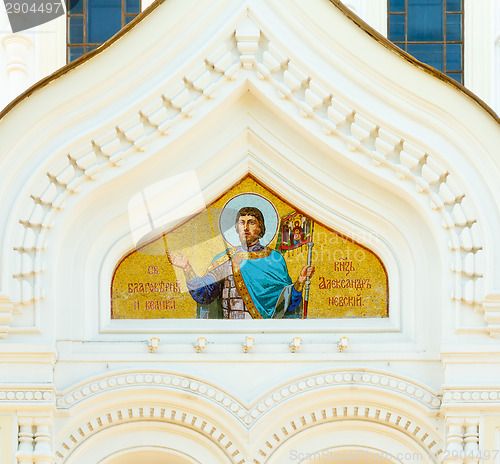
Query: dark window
{"points": [[92, 22], [431, 31]]}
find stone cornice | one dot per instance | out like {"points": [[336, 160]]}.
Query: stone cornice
{"points": [[27, 395], [471, 396], [248, 414]]}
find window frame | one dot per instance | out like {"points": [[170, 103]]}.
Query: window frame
{"points": [[89, 46], [403, 44]]}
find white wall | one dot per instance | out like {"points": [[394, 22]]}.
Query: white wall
{"points": [[398, 160], [481, 32], [45, 51]]}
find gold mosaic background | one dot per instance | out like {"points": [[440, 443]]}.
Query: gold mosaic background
{"points": [[350, 280]]}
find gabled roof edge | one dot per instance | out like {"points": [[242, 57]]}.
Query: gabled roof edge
{"points": [[424, 67], [345, 10], [82, 59]]}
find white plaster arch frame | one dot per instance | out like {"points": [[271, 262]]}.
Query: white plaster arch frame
{"points": [[336, 410], [103, 435], [107, 441], [247, 414], [329, 441], [354, 452], [344, 113], [264, 155], [144, 452], [255, 432]]}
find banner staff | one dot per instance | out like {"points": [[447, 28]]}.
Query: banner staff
{"points": [[308, 280]]}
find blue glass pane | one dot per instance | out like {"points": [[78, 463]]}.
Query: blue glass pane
{"points": [[401, 46], [132, 6], [74, 53], [453, 27], [75, 33], [74, 6], [453, 5], [425, 20], [456, 76], [453, 57], [396, 6], [104, 19], [431, 54], [91, 48], [129, 18], [396, 27]]}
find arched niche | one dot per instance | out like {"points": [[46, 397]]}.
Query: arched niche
{"points": [[330, 89], [366, 211], [151, 455], [129, 442], [350, 441], [350, 280], [345, 455]]}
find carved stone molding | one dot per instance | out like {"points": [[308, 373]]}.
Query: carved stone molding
{"points": [[34, 440], [424, 436], [43, 440], [249, 54], [26, 440], [26, 395], [491, 306], [177, 416], [462, 440], [471, 396], [417, 431], [247, 415]]}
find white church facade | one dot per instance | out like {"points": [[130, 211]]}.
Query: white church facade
{"points": [[191, 106]]}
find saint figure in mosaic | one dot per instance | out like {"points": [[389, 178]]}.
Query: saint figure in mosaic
{"points": [[248, 280]]}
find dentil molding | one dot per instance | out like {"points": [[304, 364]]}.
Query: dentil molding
{"points": [[26, 395], [235, 452], [248, 414]]}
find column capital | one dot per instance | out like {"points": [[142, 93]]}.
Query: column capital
{"points": [[12, 40]]}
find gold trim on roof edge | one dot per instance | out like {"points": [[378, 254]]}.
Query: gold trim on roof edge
{"points": [[337, 3], [89, 55], [406, 56]]}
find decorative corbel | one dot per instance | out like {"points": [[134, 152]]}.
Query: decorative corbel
{"points": [[491, 306], [247, 38], [6, 308]]}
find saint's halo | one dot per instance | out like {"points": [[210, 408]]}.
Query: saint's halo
{"points": [[230, 210]]}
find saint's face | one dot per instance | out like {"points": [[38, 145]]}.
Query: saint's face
{"points": [[248, 230]]}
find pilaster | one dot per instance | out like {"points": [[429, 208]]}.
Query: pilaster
{"points": [[471, 440], [462, 440], [454, 440], [26, 440], [17, 48], [34, 439], [43, 452]]}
